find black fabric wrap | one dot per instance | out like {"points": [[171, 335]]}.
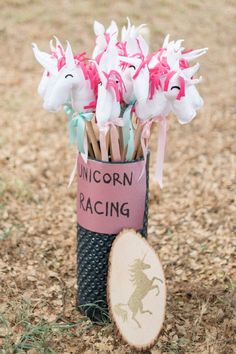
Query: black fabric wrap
{"points": [[92, 266]]}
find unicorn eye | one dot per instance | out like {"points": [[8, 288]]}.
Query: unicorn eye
{"points": [[69, 75], [175, 87], [132, 66], [100, 83], [117, 81]]}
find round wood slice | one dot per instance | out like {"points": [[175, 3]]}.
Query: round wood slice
{"points": [[136, 290]]}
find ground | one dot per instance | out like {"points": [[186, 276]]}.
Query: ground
{"points": [[191, 223]]}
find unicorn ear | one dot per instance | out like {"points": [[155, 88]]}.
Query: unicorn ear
{"points": [[44, 59], [189, 72], [177, 44], [112, 29], [70, 62], [98, 28], [166, 41], [194, 54]]}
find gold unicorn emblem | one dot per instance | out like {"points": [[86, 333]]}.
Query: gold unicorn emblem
{"points": [[143, 285]]}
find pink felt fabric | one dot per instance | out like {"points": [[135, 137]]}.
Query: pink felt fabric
{"points": [[110, 196]]}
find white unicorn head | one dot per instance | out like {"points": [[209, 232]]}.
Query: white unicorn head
{"points": [[176, 93], [70, 84], [183, 99], [186, 103]]}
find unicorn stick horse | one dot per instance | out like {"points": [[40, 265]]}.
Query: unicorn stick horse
{"points": [[76, 83], [135, 74], [110, 93]]}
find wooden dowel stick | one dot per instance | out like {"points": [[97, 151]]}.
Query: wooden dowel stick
{"points": [[121, 141], [137, 139], [93, 140], [90, 150], [111, 152], [108, 144], [114, 146], [123, 156], [139, 152]]}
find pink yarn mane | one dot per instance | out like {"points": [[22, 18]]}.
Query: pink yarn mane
{"points": [[159, 71], [94, 78], [79, 59]]}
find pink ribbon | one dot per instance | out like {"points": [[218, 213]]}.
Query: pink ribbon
{"points": [[160, 145], [111, 125]]}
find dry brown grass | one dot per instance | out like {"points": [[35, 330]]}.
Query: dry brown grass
{"points": [[191, 220]]}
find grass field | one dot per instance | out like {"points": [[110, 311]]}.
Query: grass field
{"points": [[191, 223]]}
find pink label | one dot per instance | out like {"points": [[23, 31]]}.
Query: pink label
{"points": [[110, 196]]}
